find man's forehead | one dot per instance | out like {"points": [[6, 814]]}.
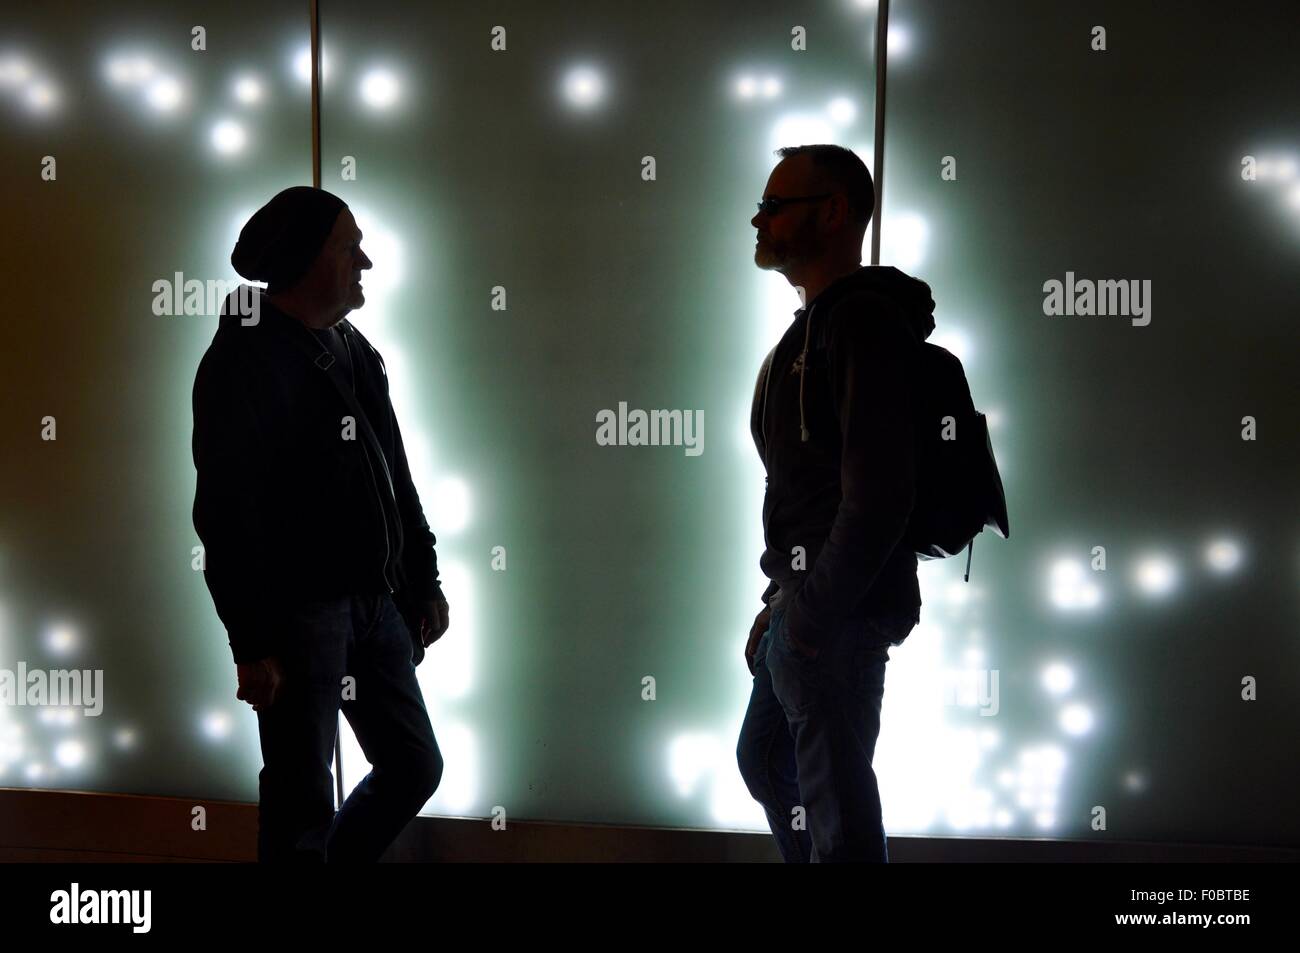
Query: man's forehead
{"points": [[791, 173]]}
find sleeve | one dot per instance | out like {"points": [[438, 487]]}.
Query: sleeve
{"points": [[419, 555], [870, 353], [231, 511]]}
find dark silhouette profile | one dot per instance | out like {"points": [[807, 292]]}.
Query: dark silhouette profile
{"points": [[317, 553], [833, 423]]}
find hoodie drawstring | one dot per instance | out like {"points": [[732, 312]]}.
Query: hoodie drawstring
{"points": [[803, 366]]}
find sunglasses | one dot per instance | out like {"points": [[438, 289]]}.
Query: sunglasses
{"points": [[773, 205]]}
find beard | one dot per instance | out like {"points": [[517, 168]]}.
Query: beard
{"points": [[774, 255]]}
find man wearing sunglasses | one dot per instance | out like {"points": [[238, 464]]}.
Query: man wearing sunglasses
{"points": [[832, 421]]}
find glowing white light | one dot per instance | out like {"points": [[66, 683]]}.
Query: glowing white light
{"points": [[216, 725], [1076, 720], [842, 110], [903, 239], [958, 342], [302, 65], [62, 639], [248, 89], [1134, 781], [228, 137], [1156, 575], [989, 739], [1002, 818], [1294, 197], [771, 88], [129, 70], [450, 506], [124, 738], [13, 71], [801, 129], [1071, 587], [1058, 678], [1286, 169], [164, 94], [898, 41], [379, 89], [583, 87], [746, 87], [41, 97], [692, 757], [69, 753], [35, 771], [1223, 555]]}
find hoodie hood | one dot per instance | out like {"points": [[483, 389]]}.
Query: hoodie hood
{"points": [[239, 306], [911, 294]]}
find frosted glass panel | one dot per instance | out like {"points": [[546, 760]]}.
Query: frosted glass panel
{"points": [[528, 171], [160, 151], [1119, 434]]}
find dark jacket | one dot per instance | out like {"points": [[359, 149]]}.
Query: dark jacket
{"points": [[288, 510], [844, 494]]}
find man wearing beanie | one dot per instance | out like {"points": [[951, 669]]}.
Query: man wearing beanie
{"points": [[317, 553]]}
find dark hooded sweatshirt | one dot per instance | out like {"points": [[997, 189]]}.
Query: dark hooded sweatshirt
{"points": [[845, 494], [288, 510]]}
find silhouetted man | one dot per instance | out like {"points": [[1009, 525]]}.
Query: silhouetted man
{"points": [[313, 536], [832, 420]]}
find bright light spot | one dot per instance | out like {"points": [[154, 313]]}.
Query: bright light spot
{"points": [[898, 42], [958, 342], [1045, 819], [124, 738], [1002, 818], [771, 88], [129, 70], [216, 725], [61, 639], [302, 65], [1058, 678], [41, 97], [69, 753], [842, 110], [228, 137], [746, 87], [1223, 555], [13, 71], [248, 90], [164, 94], [1071, 587], [1076, 720], [989, 739], [449, 506], [35, 771], [583, 87], [692, 757], [903, 239], [1135, 781], [1156, 575], [1286, 169], [379, 89], [1294, 197], [801, 129]]}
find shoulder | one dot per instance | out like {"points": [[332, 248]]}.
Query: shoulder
{"points": [[867, 319]]}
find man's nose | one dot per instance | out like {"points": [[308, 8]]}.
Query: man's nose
{"points": [[365, 262]]}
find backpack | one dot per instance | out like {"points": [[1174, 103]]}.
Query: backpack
{"points": [[958, 487]]}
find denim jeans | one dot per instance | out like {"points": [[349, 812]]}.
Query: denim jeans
{"points": [[809, 736], [362, 636]]}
